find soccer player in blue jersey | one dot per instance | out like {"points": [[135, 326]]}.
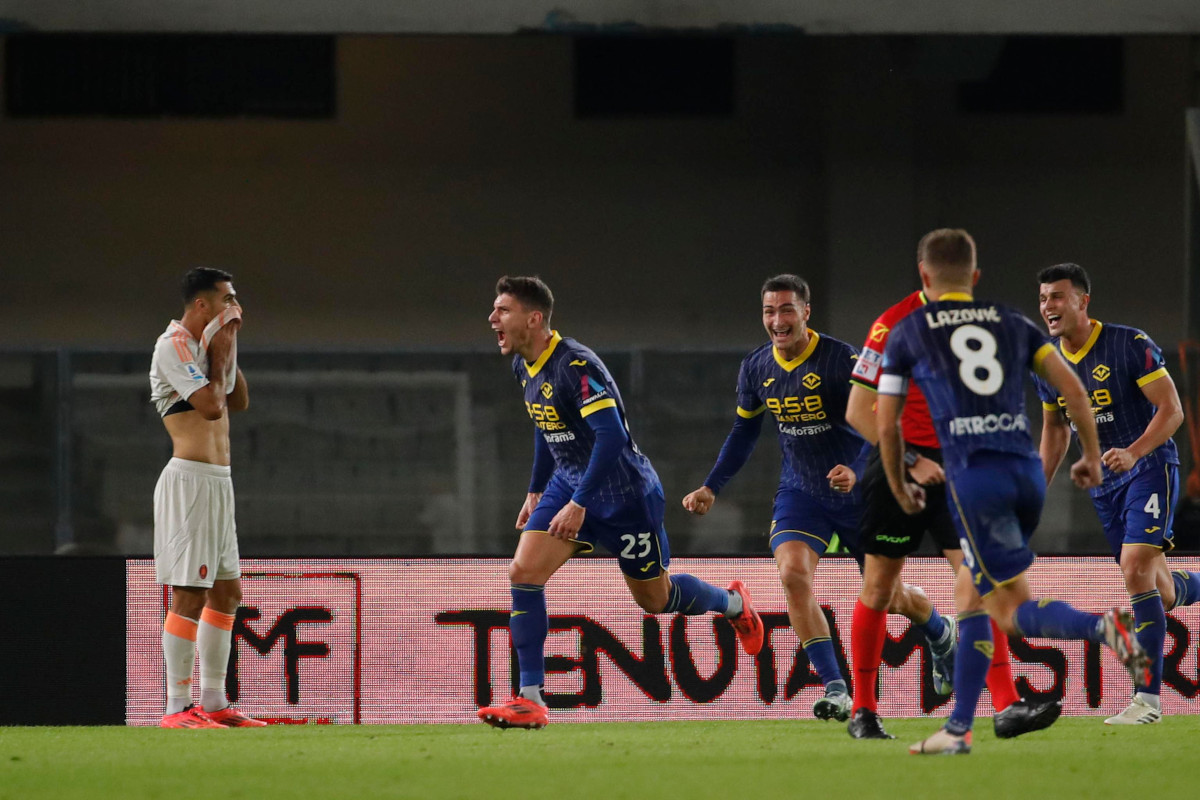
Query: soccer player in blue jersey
{"points": [[1137, 409], [803, 378], [969, 357], [590, 486]]}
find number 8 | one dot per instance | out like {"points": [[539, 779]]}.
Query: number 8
{"points": [[973, 359]]}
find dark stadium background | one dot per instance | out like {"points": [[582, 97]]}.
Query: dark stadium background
{"points": [[367, 175]]}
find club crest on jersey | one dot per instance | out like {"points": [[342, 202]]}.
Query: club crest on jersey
{"points": [[547, 391], [811, 381], [1101, 372]]}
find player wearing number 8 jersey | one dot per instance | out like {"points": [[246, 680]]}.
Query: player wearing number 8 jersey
{"points": [[969, 357], [591, 485], [1137, 409]]}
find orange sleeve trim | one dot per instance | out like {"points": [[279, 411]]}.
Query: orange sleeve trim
{"points": [[179, 626], [217, 619]]}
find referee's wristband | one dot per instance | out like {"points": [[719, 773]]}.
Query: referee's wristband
{"points": [[911, 457]]}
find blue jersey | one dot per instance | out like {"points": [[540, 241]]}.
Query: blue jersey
{"points": [[562, 388], [807, 398], [1114, 364], [969, 358]]}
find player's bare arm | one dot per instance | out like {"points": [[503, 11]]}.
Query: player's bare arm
{"points": [[700, 501], [1168, 416], [203, 433], [1086, 472], [860, 412], [891, 454], [1056, 438]]}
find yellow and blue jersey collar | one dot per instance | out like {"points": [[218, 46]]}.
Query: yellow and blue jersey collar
{"points": [[961, 297], [1078, 355], [788, 366], [536, 367]]}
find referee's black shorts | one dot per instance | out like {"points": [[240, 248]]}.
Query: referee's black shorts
{"points": [[887, 530]]}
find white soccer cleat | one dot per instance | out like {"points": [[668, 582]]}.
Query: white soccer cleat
{"points": [[1139, 712]]}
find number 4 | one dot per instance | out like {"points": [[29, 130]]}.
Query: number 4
{"points": [[1152, 506]]}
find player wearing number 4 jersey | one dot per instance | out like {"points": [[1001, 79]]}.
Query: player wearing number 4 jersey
{"points": [[800, 380], [1137, 409], [590, 486], [969, 357]]}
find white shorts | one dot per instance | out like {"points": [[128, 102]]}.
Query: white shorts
{"points": [[195, 537]]}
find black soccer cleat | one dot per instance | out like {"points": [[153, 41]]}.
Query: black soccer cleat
{"points": [[865, 724], [1025, 717]]}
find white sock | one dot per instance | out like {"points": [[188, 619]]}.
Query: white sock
{"points": [[179, 656], [533, 693], [735, 605], [1149, 699], [214, 638]]}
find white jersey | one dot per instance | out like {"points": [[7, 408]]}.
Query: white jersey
{"points": [[179, 367]]}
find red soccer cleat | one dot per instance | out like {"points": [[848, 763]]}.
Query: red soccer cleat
{"points": [[230, 717], [516, 713], [191, 717], [748, 624]]}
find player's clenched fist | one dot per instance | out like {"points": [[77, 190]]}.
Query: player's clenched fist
{"points": [[700, 501]]}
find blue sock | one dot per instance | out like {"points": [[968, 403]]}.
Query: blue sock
{"points": [[1150, 627], [527, 626], [820, 654], [971, 664], [1054, 619], [692, 596], [933, 628], [1187, 587]]}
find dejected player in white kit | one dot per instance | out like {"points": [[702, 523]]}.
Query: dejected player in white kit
{"points": [[195, 383]]}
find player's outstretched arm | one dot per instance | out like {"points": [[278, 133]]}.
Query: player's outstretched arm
{"points": [[1168, 416], [1086, 472]]}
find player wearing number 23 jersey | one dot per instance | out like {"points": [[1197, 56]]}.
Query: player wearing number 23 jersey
{"points": [[590, 485]]}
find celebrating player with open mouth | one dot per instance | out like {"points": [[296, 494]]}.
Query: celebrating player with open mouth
{"points": [[591, 485]]}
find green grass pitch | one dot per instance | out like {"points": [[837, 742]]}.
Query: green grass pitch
{"points": [[1077, 758]]}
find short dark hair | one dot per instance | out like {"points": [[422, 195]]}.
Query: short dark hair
{"points": [[947, 248], [1074, 273], [530, 291], [786, 283], [202, 279]]}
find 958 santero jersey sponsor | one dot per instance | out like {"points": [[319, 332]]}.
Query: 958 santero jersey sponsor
{"points": [[806, 399], [1114, 364], [915, 422], [566, 385]]}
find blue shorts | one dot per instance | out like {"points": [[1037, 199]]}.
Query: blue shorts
{"points": [[632, 531], [1142, 512], [996, 503], [800, 517]]}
